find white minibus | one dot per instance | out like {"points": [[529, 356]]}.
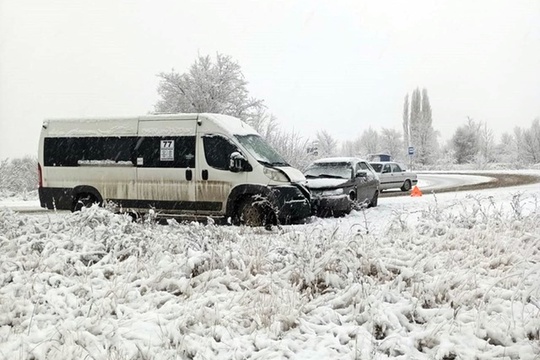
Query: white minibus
{"points": [[183, 165]]}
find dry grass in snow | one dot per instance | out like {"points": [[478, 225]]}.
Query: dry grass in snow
{"points": [[450, 281]]}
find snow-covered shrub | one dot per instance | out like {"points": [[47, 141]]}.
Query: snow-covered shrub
{"points": [[18, 177], [456, 280]]}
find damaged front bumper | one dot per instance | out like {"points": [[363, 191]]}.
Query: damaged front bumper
{"points": [[335, 205]]}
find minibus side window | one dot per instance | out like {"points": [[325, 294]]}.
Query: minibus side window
{"points": [[166, 151], [217, 151], [74, 151], [63, 151], [112, 148]]}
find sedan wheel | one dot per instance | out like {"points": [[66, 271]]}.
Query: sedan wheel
{"points": [[375, 200], [406, 186]]}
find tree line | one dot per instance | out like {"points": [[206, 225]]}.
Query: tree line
{"points": [[218, 85]]}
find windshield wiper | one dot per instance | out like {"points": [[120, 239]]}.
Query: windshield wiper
{"points": [[325, 176], [272, 164], [265, 163]]}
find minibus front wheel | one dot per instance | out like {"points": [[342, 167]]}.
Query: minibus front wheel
{"points": [[256, 211]]}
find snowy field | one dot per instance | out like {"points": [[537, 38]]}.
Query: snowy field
{"points": [[447, 276]]}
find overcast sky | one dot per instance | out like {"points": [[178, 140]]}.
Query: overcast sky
{"points": [[341, 66]]}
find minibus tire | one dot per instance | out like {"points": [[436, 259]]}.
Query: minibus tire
{"points": [[84, 200], [255, 212]]}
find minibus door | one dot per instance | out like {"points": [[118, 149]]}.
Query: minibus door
{"points": [[215, 177]]}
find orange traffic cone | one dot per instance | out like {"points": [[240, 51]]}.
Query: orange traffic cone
{"points": [[416, 191]]}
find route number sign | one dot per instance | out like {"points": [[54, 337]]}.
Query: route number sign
{"points": [[167, 150]]}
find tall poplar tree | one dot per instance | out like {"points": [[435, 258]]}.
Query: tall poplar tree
{"points": [[406, 122], [415, 116], [417, 125]]}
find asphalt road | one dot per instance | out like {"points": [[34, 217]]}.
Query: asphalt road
{"points": [[449, 182]]}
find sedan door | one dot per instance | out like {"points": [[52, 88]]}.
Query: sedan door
{"points": [[398, 175], [366, 186], [386, 177]]}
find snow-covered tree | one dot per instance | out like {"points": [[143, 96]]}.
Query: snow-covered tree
{"points": [[406, 130], [466, 142], [506, 150], [209, 86], [266, 124], [391, 143], [218, 86], [326, 143], [531, 143], [18, 176], [348, 148], [418, 127], [486, 145], [369, 142]]}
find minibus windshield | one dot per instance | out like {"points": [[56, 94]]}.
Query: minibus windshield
{"points": [[261, 150]]}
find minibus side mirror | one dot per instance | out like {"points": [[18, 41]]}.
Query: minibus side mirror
{"points": [[238, 163]]}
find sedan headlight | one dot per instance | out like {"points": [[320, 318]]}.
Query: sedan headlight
{"points": [[333, 192], [275, 175]]}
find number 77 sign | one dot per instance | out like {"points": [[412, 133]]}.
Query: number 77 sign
{"points": [[167, 150]]}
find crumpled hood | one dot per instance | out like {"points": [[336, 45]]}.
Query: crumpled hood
{"points": [[325, 183], [295, 175]]}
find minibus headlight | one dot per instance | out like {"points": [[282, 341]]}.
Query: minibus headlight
{"points": [[275, 175]]}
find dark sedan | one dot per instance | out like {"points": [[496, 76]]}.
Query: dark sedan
{"points": [[340, 184]]}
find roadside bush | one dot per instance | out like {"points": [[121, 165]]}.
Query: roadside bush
{"points": [[18, 176]]}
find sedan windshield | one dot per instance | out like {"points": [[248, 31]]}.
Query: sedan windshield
{"points": [[376, 167], [339, 170], [261, 150]]}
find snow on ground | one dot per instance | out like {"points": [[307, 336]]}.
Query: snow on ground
{"points": [[444, 276]]}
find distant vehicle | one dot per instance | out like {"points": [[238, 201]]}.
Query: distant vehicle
{"points": [[379, 157], [182, 165], [337, 185], [393, 175]]}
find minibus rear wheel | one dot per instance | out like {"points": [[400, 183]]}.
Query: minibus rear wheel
{"points": [[84, 200]]}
